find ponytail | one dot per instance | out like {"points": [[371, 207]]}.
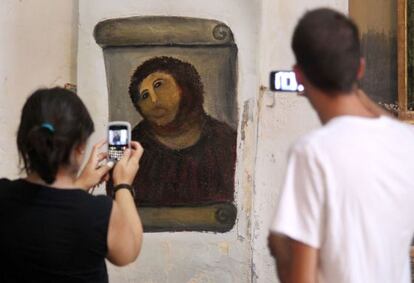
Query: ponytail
{"points": [[53, 122], [43, 153]]}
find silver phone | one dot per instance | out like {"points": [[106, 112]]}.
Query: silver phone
{"points": [[119, 138]]}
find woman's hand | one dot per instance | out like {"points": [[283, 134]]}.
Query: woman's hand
{"points": [[126, 168], [93, 174]]}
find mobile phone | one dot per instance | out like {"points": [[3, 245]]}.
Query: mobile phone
{"points": [[284, 81], [119, 138]]}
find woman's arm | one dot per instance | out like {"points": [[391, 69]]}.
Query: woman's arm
{"points": [[125, 228]]}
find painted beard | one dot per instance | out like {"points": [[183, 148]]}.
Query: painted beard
{"points": [[183, 120]]}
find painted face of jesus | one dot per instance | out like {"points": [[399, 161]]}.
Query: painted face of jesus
{"points": [[160, 97]]}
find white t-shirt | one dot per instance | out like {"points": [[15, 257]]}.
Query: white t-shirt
{"points": [[349, 192]]}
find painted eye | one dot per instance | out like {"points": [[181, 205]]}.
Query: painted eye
{"points": [[144, 95], [157, 84]]}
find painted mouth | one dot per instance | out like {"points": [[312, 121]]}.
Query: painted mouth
{"points": [[158, 112]]}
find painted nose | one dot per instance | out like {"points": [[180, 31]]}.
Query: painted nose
{"points": [[153, 96]]}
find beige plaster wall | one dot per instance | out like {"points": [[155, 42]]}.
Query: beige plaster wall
{"points": [[38, 43]]}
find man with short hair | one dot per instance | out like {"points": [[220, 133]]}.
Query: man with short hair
{"points": [[346, 210]]}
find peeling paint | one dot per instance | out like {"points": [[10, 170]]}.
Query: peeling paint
{"points": [[245, 120], [255, 276], [169, 264], [224, 247], [248, 193], [272, 158], [200, 277], [262, 91]]}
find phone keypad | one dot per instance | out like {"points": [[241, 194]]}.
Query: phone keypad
{"points": [[115, 154]]}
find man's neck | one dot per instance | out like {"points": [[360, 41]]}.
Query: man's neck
{"points": [[331, 105]]}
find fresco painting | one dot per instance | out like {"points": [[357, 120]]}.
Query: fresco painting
{"points": [[189, 156], [175, 80]]}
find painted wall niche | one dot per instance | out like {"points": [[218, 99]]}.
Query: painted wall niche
{"points": [[405, 10], [175, 80]]}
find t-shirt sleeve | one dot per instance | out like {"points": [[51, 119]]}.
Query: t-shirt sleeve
{"points": [[300, 211]]}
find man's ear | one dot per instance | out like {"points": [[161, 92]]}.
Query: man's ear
{"points": [[298, 74], [361, 69]]}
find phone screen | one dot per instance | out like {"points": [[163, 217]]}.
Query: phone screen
{"points": [[284, 81], [117, 141]]}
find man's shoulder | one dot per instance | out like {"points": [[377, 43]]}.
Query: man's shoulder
{"points": [[401, 125], [310, 140], [351, 133], [328, 138]]}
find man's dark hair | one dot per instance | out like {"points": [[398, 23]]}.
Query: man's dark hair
{"points": [[53, 122], [327, 49], [184, 74]]}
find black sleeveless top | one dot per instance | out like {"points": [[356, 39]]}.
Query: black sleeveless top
{"points": [[52, 235]]}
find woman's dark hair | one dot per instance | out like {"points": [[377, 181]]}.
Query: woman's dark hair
{"points": [[184, 74], [327, 48], [53, 122]]}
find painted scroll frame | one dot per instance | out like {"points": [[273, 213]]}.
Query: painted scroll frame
{"points": [[405, 35], [173, 33]]}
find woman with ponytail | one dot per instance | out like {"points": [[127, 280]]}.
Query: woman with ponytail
{"points": [[52, 230]]}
